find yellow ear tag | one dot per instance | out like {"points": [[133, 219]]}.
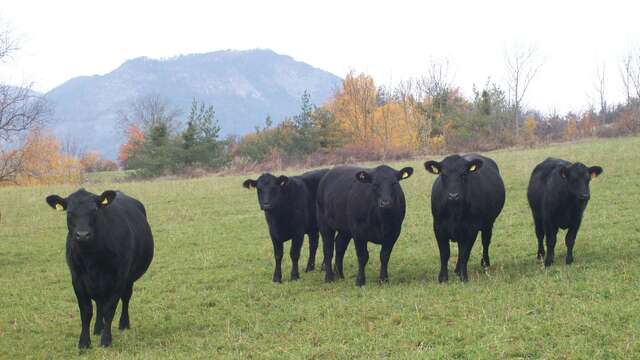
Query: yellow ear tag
{"points": [[435, 170], [405, 175], [105, 202], [59, 207], [472, 168]]}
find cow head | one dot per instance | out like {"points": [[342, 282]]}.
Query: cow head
{"points": [[270, 190], [385, 183], [454, 171], [577, 177], [82, 211]]}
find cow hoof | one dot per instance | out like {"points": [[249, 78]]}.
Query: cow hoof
{"points": [[277, 279], [295, 277], [443, 278], [328, 278], [84, 343], [105, 342], [309, 268], [464, 279], [124, 326], [547, 263], [359, 283], [383, 281], [541, 255], [569, 260], [485, 263]]}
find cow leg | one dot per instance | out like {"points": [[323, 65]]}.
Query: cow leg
{"points": [[385, 255], [278, 251], [486, 241], [124, 315], [363, 258], [445, 253], [99, 324], [464, 254], [86, 312], [551, 233], [570, 240], [342, 242], [108, 311], [294, 252], [540, 236], [313, 247], [327, 247], [457, 269]]}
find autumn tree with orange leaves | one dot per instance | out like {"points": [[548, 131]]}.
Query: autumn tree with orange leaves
{"points": [[135, 139], [43, 163]]}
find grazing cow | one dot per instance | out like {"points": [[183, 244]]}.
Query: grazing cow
{"points": [[289, 208], [466, 198], [558, 194], [363, 204], [109, 247]]}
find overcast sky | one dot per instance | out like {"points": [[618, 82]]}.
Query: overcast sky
{"points": [[390, 40]]}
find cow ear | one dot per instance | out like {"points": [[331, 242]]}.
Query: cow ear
{"points": [[106, 198], [595, 171], [249, 183], [363, 177], [474, 165], [57, 203], [405, 173], [563, 172], [282, 180], [433, 167]]}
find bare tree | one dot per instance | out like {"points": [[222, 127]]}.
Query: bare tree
{"points": [[432, 91], [21, 110], [630, 71], [522, 65], [437, 79], [148, 111], [601, 90], [8, 44], [626, 70], [72, 145]]}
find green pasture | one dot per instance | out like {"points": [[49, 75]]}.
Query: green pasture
{"points": [[208, 293]]}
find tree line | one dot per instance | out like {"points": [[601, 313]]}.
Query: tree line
{"points": [[361, 121]]}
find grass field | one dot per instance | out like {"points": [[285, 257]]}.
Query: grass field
{"points": [[208, 293]]}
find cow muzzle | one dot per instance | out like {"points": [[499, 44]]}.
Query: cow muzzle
{"points": [[83, 235]]}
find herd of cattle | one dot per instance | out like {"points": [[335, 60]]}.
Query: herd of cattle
{"points": [[109, 242]]}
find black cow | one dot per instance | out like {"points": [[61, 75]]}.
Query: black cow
{"points": [[109, 247], [289, 208], [558, 194], [366, 204], [466, 198]]}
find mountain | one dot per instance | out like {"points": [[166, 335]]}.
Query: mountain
{"points": [[243, 87]]}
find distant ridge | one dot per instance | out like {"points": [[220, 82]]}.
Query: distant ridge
{"points": [[243, 86]]}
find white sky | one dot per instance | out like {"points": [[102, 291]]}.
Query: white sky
{"points": [[391, 40]]}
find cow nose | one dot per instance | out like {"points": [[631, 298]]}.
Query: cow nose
{"points": [[454, 196], [584, 196], [82, 235], [384, 203]]}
